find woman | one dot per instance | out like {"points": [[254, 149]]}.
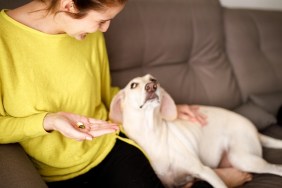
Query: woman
{"points": [[55, 94]]}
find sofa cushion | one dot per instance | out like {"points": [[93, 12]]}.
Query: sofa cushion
{"points": [[261, 109], [268, 101], [264, 181], [279, 116], [260, 117], [183, 49], [16, 170]]}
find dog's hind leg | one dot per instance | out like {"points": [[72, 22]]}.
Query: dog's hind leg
{"points": [[198, 170], [253, 163]]}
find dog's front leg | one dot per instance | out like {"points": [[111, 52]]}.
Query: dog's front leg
{"points": [[207, 174]]}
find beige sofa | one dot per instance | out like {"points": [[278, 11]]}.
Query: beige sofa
{"points": [[201, 53]]}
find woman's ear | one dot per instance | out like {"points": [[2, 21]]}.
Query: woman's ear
{"points": [[168, 107], [68, 6], [116, 108]]}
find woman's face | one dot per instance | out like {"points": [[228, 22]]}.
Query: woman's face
{"points": [[92, 22]]}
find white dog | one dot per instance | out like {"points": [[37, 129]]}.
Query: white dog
{"points": [[179, 150]]}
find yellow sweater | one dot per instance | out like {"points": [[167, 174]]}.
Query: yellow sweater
{"points": [[42, 73]]}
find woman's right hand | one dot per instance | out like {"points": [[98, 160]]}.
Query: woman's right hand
{"points": [[191, 113], [66, 124]]}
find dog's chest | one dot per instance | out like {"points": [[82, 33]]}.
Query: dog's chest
{"points": [[167, 146], [164, 146], [174, 177]]}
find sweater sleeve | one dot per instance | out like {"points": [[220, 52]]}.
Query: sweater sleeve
{"points": [[13, 129], [20, 129]]}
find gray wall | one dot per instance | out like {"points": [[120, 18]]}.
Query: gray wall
{"points": [[253, 4]]}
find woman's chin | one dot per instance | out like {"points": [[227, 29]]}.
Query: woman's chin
{"points": [[80, 36]]}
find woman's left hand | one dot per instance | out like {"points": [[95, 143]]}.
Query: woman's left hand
{"points": [[191, 113]]}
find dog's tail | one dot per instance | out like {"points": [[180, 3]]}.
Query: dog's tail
{"points": [[270, 142]]}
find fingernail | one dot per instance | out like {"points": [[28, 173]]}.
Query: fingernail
{"points": [[89, 138]]}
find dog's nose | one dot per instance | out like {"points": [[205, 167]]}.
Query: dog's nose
{"points": [[151, 87]]}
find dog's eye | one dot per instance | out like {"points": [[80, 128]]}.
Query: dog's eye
{"points": [[133, 85], [153, 80]]}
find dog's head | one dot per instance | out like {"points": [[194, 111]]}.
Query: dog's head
{"points": [[140, 94]]}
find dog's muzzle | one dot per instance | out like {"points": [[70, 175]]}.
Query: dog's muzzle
{"points": [[151, 89]]}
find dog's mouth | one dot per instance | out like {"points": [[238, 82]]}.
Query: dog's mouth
{"points": [[150, 97], [151, 91]]}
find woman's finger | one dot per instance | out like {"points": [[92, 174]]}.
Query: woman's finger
{"points": [[194, 107], [101, 126], [100, 132], [94, 121], [191, 113]]}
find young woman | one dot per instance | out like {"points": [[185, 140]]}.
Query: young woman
{"points": [[56, 91]]}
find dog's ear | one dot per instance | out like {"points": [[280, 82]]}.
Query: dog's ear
{"points": [[168, 107], [116, 108]]}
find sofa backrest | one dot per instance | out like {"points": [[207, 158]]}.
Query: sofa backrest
{"points": [[181, 43], [6, 4], [254, 47]]}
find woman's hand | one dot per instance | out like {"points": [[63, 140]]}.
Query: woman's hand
{"points": [[191, 113], [68, 125]]}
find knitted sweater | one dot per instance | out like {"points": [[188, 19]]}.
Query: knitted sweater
{"points": [[41, 73]]}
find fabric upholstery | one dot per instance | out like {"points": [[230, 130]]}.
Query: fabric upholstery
{"points": [[270, 101], [279, 116], [16, 170], [184, 51], [260, 117], [253, 44], [11, 4]]}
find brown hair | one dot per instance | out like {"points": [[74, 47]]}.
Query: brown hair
{"points": [[84, 5]]}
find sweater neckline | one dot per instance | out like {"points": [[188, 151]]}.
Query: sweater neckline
{"points": [[29, 29]]}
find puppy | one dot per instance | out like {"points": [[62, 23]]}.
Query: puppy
{"points": [[179, 150]]}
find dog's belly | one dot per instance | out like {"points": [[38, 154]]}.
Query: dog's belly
{"points": [[226, 130]]}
